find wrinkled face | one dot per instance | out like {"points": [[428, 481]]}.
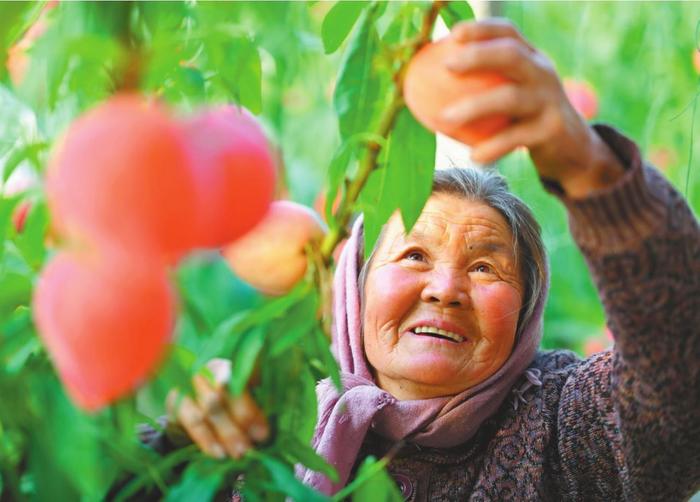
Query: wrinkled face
{"points": [[442, 303]]}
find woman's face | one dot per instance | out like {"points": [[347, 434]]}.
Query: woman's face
{"points": [[442, 303]]}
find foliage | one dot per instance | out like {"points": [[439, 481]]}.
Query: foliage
{"points": [[276, 59]]}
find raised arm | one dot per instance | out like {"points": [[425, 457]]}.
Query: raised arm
{"points": [[642, 244], [629, 421]]}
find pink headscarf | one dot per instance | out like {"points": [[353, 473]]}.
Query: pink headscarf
{"points": [[344, 419]]}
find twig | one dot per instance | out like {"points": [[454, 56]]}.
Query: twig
{"points": [[369, 161]]}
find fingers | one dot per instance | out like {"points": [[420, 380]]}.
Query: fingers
{"points": [[218, 423], [193, 421], [250, 417], [213, 403], [220, 370], [504, 99], [243, 409], [472, 31], [508, 57], [521, 134]]}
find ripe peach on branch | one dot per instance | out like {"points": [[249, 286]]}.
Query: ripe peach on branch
{"points": [[234, 173], [19, 215], [105, 320], [122, 174], [582, 96], [430, 87], [272, 257]]}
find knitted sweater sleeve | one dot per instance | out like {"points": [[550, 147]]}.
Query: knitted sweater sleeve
{"points": [[628, 423]]}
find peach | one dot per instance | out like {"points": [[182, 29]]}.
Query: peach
{"points": [[122, 174], [272, 256], [234, 173], [663, 157], [582, 96], [18, 54], [593, 346], [429, 88], [19, 215], [106, 322]]}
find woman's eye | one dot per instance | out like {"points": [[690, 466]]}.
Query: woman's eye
{"points": [[415, 256], [483, 268]]}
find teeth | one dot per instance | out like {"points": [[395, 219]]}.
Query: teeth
{"points": [[438, 331]]}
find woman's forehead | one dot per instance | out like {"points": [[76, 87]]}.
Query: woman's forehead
{"points": [[448, 217]]}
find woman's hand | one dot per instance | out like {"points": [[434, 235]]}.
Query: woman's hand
{"points": [[562, 145], [218, 423]]}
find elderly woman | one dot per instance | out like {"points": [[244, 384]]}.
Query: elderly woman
{"points": [[437, 333]]}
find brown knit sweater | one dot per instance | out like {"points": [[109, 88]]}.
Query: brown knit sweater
{"points": [[623, 424]]}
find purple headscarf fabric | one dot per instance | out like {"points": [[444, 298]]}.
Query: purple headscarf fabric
{"points": [[345, 418]]}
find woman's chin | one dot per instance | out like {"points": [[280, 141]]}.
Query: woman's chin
{"points": [[436, 370]]}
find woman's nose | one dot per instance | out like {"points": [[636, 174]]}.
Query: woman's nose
{"points": [[448, 288]]}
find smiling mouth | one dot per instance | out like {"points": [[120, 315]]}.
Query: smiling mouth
{"points": [[438, 333]]}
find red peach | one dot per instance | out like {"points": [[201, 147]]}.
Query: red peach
{"points": [[19, 215], [430, 87], [122, 174], [663, 157], [234, 170], [106, 322], [272, 257], [582, 96]]}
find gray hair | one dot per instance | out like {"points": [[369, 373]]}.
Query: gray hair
{"points": [[490, 188]]}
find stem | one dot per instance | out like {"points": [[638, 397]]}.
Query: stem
{"points": [[131, 69], [369, 161]]}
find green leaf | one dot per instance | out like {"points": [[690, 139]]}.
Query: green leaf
{"points": [[277, 307], [304, 453], [336, 174], [379, 486], [31, 241], [66, 446], [405, 180], [15, 19], [244, 358], [160, 467], [284, 478], [342, 163], [371, 483], [18, 342], [199, 483], [212, 291], [339, 22], [410, 170], [358, 90], [296, 329], [456, 11], [175, 372], [404, 25], [17, 127], [7, 207], [23, 153], [329, 363], [15, 290], [238, 64]]}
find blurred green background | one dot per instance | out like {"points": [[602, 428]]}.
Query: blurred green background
{"points": [[638, 57]]}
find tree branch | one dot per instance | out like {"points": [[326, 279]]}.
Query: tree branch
{"points": [[386, 123]]}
